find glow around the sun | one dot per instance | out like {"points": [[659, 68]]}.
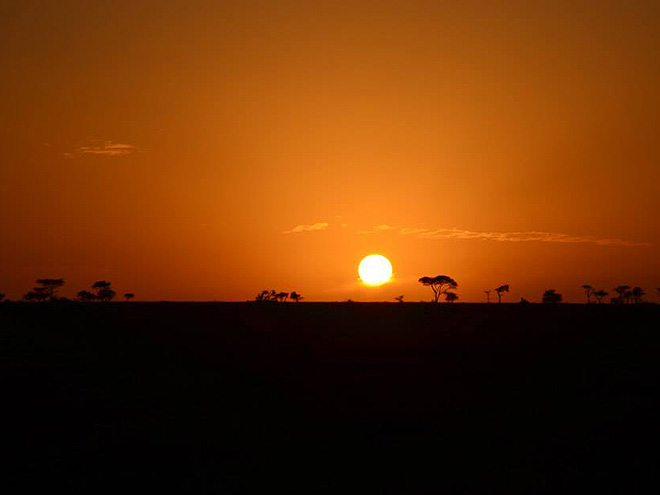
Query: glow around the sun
{"points": [[375, 269]]}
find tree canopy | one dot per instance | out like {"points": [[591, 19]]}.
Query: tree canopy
{"points": [[439, 284]]}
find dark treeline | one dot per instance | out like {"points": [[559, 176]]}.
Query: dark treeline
{"points": [[275, 296], [47, 290], [442, 286]]}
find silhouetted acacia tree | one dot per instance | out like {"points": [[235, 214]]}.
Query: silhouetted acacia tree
{"points": [[600, 294], [487, 295], [271, 296], [588, 291], [106, 295], [282, 296], [295, 297], [86, 296], [624, 293], [440, 285], [128, 296], [628, 296], [104, 291], [101, 284], [450, 297], [50, 286], [637, 295], [399, 299], [39, 294], [500, 290], [262, 296], [552, 297]]}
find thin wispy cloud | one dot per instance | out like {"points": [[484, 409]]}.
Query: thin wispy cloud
{"points": [[377, 228], [530, 236], [525, 236], [105, 148], [409, 231], [307, 228]]}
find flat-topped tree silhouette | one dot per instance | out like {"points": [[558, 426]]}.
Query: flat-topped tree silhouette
{"points": [[101, 284], [86, 296], [450, 297], [399, 299], [628, 296], [104, 291], [637, 295], [274, 296], [624, 293], [262, 296], [295, 297], [487, 295], [588, 291], [45, 291], [551, 296], [50, 286], [500, 290], [38, 294], [128, 296], [440, 285], [600, 294]]}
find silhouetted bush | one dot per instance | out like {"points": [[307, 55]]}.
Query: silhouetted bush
{"points": [[274, 296], [86, 296], [450, 297], [552, 297]]}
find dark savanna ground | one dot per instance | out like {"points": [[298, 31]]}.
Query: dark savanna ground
{"points": [[330, 398]]}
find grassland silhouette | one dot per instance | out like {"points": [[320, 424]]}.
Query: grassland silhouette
{"points": [[442, 286], [327, 397]]}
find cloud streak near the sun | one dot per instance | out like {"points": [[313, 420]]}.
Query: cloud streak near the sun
{"points": [[307, 228], [528, 236], [471, 235], [377, 229], [105, 148]]}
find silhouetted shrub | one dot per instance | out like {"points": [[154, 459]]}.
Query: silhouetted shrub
{"points": [[552, 297]]}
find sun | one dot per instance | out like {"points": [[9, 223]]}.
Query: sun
{"points": [[375, 269]]}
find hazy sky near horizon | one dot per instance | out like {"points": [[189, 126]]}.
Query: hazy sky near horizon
{"points": [[205, 150]]}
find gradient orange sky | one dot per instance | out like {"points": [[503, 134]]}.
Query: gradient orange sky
{"points": [[182, 150]]}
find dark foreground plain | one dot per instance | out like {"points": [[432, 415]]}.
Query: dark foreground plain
{"points": [[330, 398]]}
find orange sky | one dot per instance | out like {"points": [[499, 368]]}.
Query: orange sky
{"points": [[167, 146]]}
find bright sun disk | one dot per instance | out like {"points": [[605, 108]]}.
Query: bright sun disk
{"points": [[375, 269]]}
